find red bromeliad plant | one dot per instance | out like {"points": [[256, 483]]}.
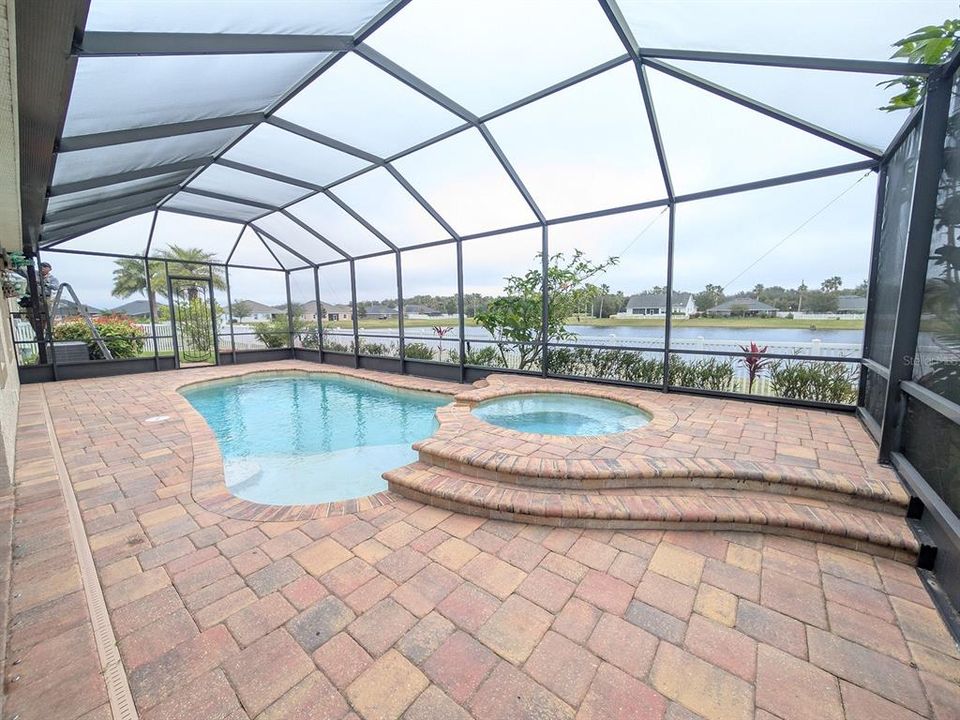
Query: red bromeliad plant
{"points": [[440, 331], [755, 362]]}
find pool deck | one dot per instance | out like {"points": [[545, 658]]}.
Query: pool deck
{"points": [[389, 608]]}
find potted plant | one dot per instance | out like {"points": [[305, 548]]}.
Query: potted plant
{"points": [[11, 288]]}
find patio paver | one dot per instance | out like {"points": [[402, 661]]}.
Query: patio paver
{"points": [[466, 617]]}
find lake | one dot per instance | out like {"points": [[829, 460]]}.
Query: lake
{"points": [[622, 333], [784, 341]]}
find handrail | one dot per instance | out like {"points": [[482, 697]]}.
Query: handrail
{"points": [[107, 355]]}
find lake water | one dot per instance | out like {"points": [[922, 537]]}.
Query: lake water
{"points": [[627, 332]]}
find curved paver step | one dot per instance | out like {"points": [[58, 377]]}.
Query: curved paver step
{"points": [[704, 473], [694, 508]]}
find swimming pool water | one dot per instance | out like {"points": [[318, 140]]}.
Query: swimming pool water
{"points": [[559, 414], [302, 439]]}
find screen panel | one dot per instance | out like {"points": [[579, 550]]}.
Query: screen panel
{"points": [[431, 326], [156, 90]]}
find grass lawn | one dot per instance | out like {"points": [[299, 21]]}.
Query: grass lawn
{"points": [[749, 322]]}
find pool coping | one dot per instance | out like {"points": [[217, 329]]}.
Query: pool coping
{"points": [[469, 444], [505, 454], [208, 483]]}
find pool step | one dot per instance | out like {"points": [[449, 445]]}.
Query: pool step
{"points": [[684, 473], [881, 533]]}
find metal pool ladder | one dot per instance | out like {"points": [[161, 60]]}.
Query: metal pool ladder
{"points": [[82, 311]]}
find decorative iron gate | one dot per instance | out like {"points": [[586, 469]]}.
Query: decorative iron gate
{"points": [[193, 314]]}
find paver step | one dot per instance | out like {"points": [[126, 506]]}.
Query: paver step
{"points": [[857, 528], [703, 473]]}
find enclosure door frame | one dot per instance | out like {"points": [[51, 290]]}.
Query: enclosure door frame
{"points": [[174, 318]]}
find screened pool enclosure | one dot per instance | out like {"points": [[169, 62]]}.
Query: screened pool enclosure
{"points": [[356, 183]]}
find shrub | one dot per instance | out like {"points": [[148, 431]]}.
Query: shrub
{"points": [[309, 339], [625, 365], [274, 333], [832, 382], [706, 374], [123, 338], [487, 356], [375, 348], [418, 351]]}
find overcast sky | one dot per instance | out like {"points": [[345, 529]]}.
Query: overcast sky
{"points": [[585, 148]]}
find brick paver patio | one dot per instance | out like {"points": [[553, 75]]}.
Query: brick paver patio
{"points": [[388, 608]]}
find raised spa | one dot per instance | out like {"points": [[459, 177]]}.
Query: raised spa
{"points": [[310, 438], [561, 414]]}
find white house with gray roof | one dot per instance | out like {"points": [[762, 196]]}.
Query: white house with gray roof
{"points": [[655, 305]]}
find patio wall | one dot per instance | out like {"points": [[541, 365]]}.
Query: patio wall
{"points": [[10, 232]]}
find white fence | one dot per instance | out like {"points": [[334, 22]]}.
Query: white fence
{"points": [[244, 338], [821, 316]]}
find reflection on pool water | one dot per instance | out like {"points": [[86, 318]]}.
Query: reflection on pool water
{"points": [[561, 414], [303, 439]]}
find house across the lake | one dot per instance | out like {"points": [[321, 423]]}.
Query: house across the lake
{"points": [[335, 313], [742, 307], [415, 311], [331, 313], [381, 312], [137, 309], [851, 305], [258, 312], [655, 305]]}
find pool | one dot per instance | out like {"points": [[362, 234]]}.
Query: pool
{"points": [[561, 414], [311, 438]]}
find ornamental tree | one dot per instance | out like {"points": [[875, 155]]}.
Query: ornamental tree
{"points": [[515, 320]]}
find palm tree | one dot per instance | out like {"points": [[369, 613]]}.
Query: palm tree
{"points": [[130, 275]]}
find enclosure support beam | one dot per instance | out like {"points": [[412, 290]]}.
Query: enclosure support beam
{"points": [[629, 42], [72, 231], [213, 318], [316, 290], [872, 277], [622, 28], [329, 142], [104, 180], [206, 215], [400, 327], [360, 219], [781, 180], [154, 132], [253, 170], [356, 315], [150, 300], [107, 207], [233, 340], [879, 67], [456, 238], [153, 227], [544, 299], [317, 235], [291, 340], [385, 14], [450, 105], [229, 198], [923, 209], [236, 244], [268, 249], [173, 322], [668, 325], [120, 44], [260, 230], [461, 311], [763, 109], [909, 124]]}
